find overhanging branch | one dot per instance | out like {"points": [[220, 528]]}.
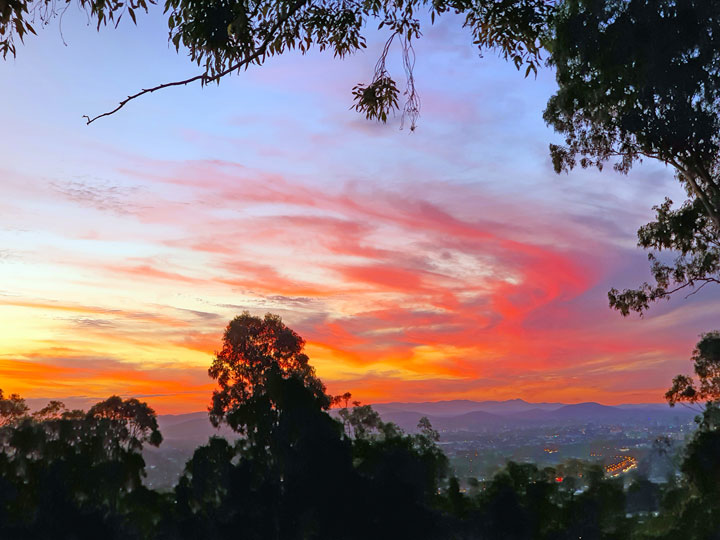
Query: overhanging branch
{"points": [[204, 77], [144, 91]]}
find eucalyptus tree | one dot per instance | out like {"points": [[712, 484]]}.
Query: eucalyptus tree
{"points": [[694, 507], [640, 79], [75, 475], [706, 365], [228, 36], [12, 409]]}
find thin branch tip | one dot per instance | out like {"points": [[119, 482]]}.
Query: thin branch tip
{"points": [[204, 78]]}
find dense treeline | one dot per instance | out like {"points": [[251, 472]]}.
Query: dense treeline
{"points": [[296, 472]]}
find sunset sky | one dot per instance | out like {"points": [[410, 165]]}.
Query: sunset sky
{"points": [[447, 263]]}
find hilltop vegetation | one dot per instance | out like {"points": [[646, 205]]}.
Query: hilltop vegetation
{"points": [[293, 471]]}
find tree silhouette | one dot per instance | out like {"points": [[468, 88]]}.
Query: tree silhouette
{"points": [[75, 476], [227, 37], [12, 409], [292, 454], [692, 508], [706, 364], [692, 237], [52, 411], [256, 355], [638, 79], [298, 472], [136, 419]]}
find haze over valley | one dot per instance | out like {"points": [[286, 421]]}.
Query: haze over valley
{"points": [[480, 437]]}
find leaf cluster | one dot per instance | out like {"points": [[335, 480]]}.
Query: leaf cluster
{"points": [[20, 17], [12, 409], [137, 421], [637, 78], [689, 234], [706, 365]]}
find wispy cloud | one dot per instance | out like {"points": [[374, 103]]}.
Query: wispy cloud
{"points": [[100, 194]]}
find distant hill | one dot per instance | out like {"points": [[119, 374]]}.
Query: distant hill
{"points": [[597, 413], [590, 411], [476, 420], [183, 433], [463, 406], [193, 427], [465, 415]]}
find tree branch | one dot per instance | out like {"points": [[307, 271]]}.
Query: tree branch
{"points": [[692, 284], [688, 175], [204, 77], [690, 406], [144, 91], [706, 281]]}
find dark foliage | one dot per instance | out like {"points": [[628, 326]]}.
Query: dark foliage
{"points": [[223, 37], [706, 364], [299, 473], [689, 234], [638, 79], [69, 475]]}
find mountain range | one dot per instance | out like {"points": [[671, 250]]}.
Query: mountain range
{"points": [[465, 415], [183, 433]]}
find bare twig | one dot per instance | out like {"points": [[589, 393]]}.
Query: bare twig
{"points": [[708, 280], [692, 284], [692, 406], [144, 91], [62, 16]]}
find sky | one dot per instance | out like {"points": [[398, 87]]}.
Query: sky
{"points": [[446, 263]]}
